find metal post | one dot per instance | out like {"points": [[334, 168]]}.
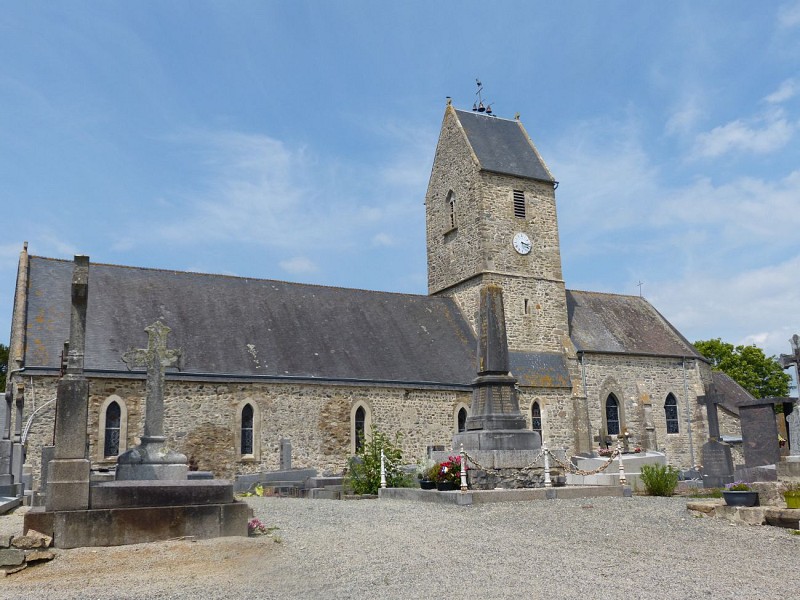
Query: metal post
{"points": [[383, 471], [463, 469], [622, 479], [547, 481]]}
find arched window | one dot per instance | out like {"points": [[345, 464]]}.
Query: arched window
{"points": [[360, 423], [612, 415], [671, 412], [451, 208], [462, 420], [112, 430], [247, 430], [536, 418]]}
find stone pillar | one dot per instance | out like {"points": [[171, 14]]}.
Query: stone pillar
{"points": [[68, 473], [286, 455]]}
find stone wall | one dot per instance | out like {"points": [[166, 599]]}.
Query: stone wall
{"points": [[637, 381], [200, 420], [454, 253]]}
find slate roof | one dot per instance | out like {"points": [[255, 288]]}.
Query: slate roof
{"points": [[244, 327], [611, 323], [734, 395], [502, 146]]}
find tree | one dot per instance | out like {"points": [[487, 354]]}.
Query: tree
{"points": [[3, 367], [748, 366]]}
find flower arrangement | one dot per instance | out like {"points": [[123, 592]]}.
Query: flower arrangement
{"points": [[256, 527], [737, 486], [450, 470], [605, 451]]}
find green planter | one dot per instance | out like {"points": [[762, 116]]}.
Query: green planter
{"points": [[792, 499]]}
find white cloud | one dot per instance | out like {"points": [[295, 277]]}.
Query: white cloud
{"points": [[786, 91], [382, 239], [761, 136], [753, 306], [684, 120], [298, 265], [789, 15]]}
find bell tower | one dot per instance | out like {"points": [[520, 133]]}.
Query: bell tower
{"points": [[491, 220]]}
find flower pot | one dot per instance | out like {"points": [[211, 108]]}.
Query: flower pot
{"points": [[447, 486], [733, 498], [427, 484], [792, 499]]}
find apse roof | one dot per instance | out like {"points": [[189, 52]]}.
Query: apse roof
{"points": [[612, 323]]}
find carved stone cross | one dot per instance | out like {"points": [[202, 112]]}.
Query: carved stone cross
{"points": [[155, 358], [793, 420]]}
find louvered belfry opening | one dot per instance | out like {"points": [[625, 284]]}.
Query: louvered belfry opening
{"points": [[519, 204]]}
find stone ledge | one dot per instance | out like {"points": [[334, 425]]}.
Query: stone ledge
{"points": [[749, 515], [500, 495]]}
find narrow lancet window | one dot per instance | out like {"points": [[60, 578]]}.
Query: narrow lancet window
{"points": [[247, 430], [536, 418], [112, 429], [360, 427]]}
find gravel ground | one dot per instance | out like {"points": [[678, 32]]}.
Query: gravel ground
{"points": [[616, 548]]}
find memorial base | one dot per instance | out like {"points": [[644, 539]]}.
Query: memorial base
{"points": [[135, 512]]}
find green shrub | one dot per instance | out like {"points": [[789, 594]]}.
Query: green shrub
{"points": [[659, 480], [364, 469]]}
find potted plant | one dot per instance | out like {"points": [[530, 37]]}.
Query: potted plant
{"points": [[429, 476], [739, 493], [792, 495], [449, 475]]}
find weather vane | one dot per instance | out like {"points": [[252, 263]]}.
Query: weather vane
{"points": [[479, 105]]}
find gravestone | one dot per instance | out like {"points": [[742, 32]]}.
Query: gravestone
{"points": [[78, 512], [286, 455], [759, 434], [793, 423], [68, 471], [152, 460], [793, 420], [717, 459]]}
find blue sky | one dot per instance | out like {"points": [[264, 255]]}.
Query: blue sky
{"points": [[293, 140]]}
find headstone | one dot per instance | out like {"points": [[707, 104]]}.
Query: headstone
{"points": [[793, 422], [759, 435], [286, 455], [68, 472], [152, 460], [789, 360], [717, 459]]}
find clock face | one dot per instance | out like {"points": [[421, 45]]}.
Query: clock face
{"points": [[522, 243]]}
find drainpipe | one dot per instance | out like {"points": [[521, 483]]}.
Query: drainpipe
{"points": [[688, 413]]}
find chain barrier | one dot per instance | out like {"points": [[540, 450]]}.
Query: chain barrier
{"points": [[567, 466]]}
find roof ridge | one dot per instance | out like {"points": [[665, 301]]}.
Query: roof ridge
{"points": [[610, 294], [492, 116], [228, 276]]}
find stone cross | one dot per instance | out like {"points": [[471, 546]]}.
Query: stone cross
{"points": [[155, 358], [793, 420], [151, 460]]}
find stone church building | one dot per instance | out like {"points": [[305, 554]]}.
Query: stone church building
{"points": [[269, 360]]}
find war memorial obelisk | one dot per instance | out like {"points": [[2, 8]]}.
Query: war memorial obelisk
{"points": [[496, 435]]}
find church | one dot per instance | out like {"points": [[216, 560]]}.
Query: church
{"points": [[264, 361]]}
